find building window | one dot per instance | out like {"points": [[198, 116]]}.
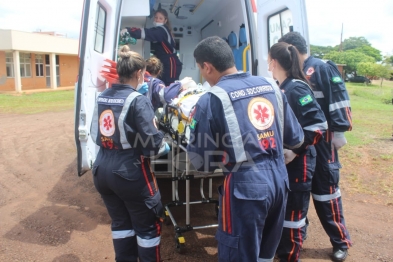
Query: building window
{"points": [[99, 35], [47, 69], [39, 65], [9, 64], [25, 67]]}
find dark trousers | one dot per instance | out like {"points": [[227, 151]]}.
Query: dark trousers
{"points": [[300, 175], [131, 196], [327, 196], [172, 69], [252, 205], [295, 226]]}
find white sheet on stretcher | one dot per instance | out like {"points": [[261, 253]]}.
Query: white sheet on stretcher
{"points": [[185, 102]]}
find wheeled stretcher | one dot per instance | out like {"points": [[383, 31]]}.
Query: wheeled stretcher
{"points": [[177, 130]]}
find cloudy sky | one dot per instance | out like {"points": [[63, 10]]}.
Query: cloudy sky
{"points": [[373, 20]]}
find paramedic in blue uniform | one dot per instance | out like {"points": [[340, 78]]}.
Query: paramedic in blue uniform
{"points": [[158, 93], [163, 44], [241, 125], [123, 127], [331, 94], [156, 86], [284, 63]]}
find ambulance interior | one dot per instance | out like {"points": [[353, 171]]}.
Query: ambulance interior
{"points": [[192, 21]]}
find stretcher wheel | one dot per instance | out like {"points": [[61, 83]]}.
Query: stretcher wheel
{"points": [[180, 243], [167, 218]]}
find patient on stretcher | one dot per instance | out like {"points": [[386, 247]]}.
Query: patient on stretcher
{"points": [[172, 104], [180, 104]]}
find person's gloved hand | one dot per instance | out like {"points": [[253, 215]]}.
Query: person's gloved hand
{"points": [[289, 156], [143, 89], [123, 31], [164, 149], [338, 140]]}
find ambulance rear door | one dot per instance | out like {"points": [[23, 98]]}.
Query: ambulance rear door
{"points": [[275, 18], [98, 41]]}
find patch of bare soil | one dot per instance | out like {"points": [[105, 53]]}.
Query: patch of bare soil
{"points": [[47, 213]]}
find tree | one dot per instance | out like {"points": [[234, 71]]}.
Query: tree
{"points": [[350, 58], [388, 60], [370, 51], [383, 71], [368, 69], [355, 42], [321, 51], [374, 70]]}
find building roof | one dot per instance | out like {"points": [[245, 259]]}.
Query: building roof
{"points": [[37, 43]]}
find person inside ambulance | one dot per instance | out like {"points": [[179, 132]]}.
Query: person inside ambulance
{"points": [[331, 94], [172, 95], [241, 125], [158, 93], [163, 44], [284, 64], [123, 127]]}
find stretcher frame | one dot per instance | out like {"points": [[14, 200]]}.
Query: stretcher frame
{"points": [[178, 143]]}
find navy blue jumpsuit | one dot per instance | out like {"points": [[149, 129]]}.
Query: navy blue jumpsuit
{"points": [[332, 96], [301, 168], [164, 47], [241, 126], [123, 127], [157, 90]]}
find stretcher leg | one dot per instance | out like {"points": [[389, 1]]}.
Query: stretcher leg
{"points": [[201, 190], [173, 174], [187, 174], [187, 191]]}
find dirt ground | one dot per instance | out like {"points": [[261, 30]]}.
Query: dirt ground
{"points": [[47, 213]]}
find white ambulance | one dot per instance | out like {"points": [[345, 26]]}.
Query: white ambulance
{"points": [[249, 26]]}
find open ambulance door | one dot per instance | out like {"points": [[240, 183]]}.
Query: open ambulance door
{"points": [[275, 18], [98, 41]]}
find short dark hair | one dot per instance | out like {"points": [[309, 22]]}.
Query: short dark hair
{"points": [[216, 51], [296, 39]]}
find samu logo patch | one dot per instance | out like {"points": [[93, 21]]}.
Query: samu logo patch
{"points": [[261, 113], [107, 123], [305, 100]]}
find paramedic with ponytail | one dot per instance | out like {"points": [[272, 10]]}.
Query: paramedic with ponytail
{"points": [[124, 129], [158, 93], [284, 63], [163, 44], [331, 94], [241, 126]]}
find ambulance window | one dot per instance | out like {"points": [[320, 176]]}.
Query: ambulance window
{"points": [[99, 33], [279, 24]]}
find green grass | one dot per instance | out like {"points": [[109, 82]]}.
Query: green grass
{"points": [[36, 102], [367, 156], [372, 114]]}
